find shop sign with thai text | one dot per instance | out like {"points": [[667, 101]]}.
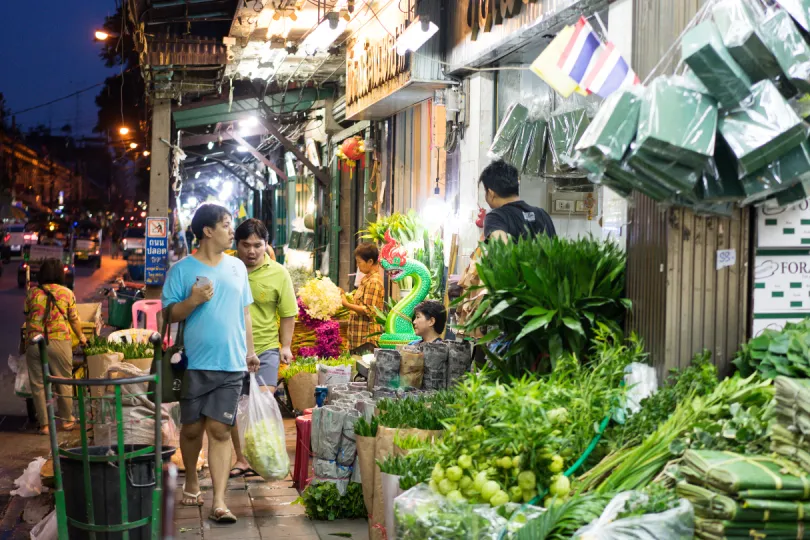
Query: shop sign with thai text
{"points": [[374, 70], [482, 15]]}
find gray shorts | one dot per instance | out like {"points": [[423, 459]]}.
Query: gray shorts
{"points": [[210, 394], [268, 370]]}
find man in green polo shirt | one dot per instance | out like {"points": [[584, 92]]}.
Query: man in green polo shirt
{"points": [[273, 314]]}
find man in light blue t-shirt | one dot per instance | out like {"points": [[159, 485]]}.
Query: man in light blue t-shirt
{"points": [[210, 291]]}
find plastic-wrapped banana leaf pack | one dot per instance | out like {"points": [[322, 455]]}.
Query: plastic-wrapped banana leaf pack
{"points": [[729, 129]]}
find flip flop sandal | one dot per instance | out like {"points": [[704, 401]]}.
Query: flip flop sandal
{"points": [[197, 497], [222, 515], [240, 472]]}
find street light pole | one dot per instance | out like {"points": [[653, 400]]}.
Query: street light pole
{"points": [[159, 172]]}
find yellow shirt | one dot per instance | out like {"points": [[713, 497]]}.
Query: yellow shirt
{"points": [[273, 298]]}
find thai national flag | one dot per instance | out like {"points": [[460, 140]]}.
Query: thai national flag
{"points": [[580, 54], [609, 73]]}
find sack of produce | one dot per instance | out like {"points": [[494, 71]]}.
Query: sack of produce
{"points": [[261, 433], [386, 364], [703, 50], [411, 367], [301, 388], [347, 453], [677, 523], [435, 368], [459, 360], [326, 438]]}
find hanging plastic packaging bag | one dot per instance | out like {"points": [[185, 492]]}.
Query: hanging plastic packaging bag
{"points": [[675, 524], [261, 432], [21, 385]]}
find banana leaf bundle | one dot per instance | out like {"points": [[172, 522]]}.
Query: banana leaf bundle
{"points": [[534, 161], [565, 129], [522, 145], [790, 445], [709, 504], [755, 477], [792, 395], [713, 528], [516, 115], [703, 50]]}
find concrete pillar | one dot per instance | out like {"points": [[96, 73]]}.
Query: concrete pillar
{"points": [[159, 177], [161, 154]]}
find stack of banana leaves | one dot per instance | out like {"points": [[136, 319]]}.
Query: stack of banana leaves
{"points": [[737, 496], [791, 428]]}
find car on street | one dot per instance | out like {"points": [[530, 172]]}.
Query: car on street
{"points": [[55, 241], [133, 241], [87, 242], [16, 237]]}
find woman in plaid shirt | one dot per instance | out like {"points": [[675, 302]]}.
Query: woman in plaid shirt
{"points": [[363, 330]]}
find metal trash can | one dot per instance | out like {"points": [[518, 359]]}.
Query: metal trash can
{"points": [[119, 306]]}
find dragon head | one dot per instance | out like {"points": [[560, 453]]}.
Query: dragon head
{"points": [[394, 258]]}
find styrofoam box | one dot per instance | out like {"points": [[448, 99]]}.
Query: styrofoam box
{"points": [[782, 282], [761, 325], [786, 227]]}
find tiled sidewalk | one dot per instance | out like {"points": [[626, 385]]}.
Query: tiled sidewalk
{"points": [[264, 511]]}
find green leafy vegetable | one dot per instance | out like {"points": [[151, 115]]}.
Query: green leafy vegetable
{"points": [[324, 502], [547, 294], [777, 352], [653, 499]]}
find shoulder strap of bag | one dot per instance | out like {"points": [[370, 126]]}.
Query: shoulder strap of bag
{"points": [[167, 326]]}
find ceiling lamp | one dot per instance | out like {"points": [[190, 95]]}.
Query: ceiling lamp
{"points": [[417, 33], [324, 35]]}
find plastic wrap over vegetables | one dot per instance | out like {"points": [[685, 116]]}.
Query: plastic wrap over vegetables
{"points": [[261, 432], [675, 524]]}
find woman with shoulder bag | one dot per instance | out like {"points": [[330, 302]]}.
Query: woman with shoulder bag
{"points": [[50, 310]]}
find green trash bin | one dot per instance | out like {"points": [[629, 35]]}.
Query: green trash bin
{"points": [[119, 307]]}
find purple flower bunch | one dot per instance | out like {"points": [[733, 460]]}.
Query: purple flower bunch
{"points": [[327, 335]]}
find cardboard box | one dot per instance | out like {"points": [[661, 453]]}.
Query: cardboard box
{"points": [[782, 282], [787, 227]]}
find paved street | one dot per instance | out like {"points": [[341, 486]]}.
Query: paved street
{"points": [[88, 281]]}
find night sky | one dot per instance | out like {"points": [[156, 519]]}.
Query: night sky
{"points": [[46, 52]]}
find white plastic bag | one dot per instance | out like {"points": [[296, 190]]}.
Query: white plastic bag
{"points": [[30, 483], [45, 529], [675, 524], [261, 432], [641, 382], [14, 362], [21, 385]]}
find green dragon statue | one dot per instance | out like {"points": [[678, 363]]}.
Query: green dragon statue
{"points": [[399, 323]]}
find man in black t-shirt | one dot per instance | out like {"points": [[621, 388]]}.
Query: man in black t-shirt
{"points": [[510, 217]]}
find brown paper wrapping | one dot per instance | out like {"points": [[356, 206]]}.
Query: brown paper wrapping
{"points": [[302, 390], [365, 458], [411, 367]]}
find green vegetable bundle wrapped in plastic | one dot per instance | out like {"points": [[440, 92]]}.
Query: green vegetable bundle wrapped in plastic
{"points": [[261, 432]]}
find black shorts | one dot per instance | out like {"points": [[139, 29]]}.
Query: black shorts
{"points": [[210, 394]]}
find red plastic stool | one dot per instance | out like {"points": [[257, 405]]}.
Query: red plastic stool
{"points": [[303, 429], [307, 412]]}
